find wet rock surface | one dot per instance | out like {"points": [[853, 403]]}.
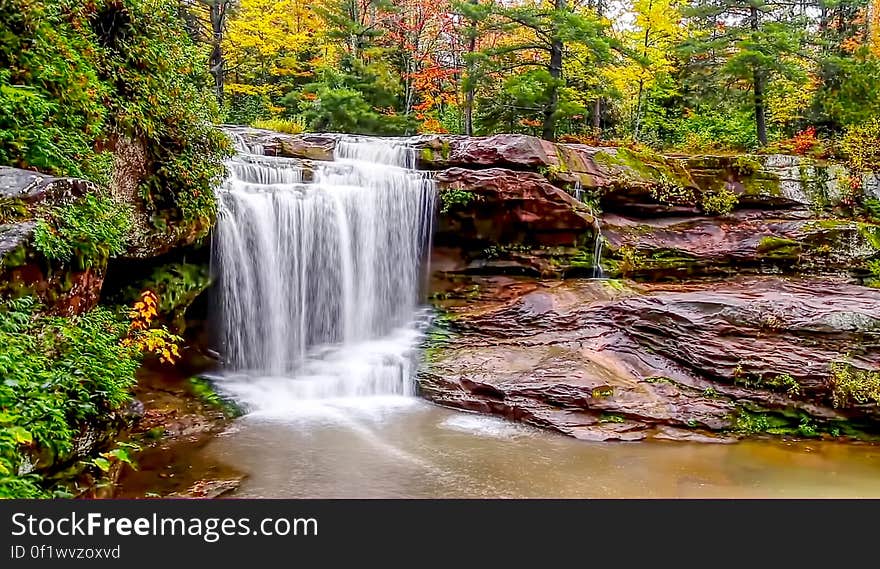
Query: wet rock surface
{"points": [[697, 361], [499, 206], [175, 425]]}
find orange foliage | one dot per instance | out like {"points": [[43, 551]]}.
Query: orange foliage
{"points": [[804, 141], [146, 339]]}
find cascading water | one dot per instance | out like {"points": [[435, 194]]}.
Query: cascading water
{"points": [[319, 282], [598, 273]]}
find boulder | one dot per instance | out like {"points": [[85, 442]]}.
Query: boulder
{"points": [[23, 270], [310, 146], [496, 205], [31, 187]]}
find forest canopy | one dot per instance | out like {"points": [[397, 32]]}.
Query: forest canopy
{"points": [[737, 74]]}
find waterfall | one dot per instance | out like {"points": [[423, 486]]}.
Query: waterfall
{"points": [[598, 273], [319, 283]]}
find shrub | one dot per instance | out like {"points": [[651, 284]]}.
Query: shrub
{"points": [[669, 191], [804, 141], [455, 198], [76, 75], [861, 145], [59, 374], [280, 125], [851, 385], [699, 132], [719, 202], [93, 228]]}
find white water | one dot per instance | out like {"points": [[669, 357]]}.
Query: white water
{"points": [[319, 283], [598, 246]]}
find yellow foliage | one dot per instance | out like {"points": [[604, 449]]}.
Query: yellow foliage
{"points": [[262, 36], [146, 339]]}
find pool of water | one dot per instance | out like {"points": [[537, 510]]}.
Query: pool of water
{"points": [[399, 447]]}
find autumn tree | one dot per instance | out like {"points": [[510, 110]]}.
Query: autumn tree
{"points": [[744, 44], [848, 69], [656, 31], [539, 37]]}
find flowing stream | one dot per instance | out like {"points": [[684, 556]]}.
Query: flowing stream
{"points": [[320, 276]]}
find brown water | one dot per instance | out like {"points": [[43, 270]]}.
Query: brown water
{"points": [[406, 448]]}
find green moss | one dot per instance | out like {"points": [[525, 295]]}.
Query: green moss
{"points": [[871, 208], [611, 418], [644, 165], [773, 247], [871, 233], [631, 260], [204, 390], [758, 421], [16, 257], [746, 165], [438, 337], [616, 285], [445, 149], [427, 155], [604, 391], [657, 379], [13, 210], [560, 156]]}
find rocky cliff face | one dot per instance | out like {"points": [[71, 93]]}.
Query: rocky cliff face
{"points": [[23, 270], [736, 305]]}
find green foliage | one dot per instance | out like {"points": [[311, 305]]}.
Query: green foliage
{"points": [[861, 144], [850, 90], [288, 126], [538, 95], [360, 96], [176, 286], [93, 228], [669, 191], [784, 382], [712, 129], [58, 374], [851, 385], [455, 198], [719, 202], [76, 76], [204, 390]]}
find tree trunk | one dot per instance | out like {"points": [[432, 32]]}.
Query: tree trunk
{"points": [[469, 94], [597, 107], [556, 47], [638, 121], [218, 15], [758, 87]]}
